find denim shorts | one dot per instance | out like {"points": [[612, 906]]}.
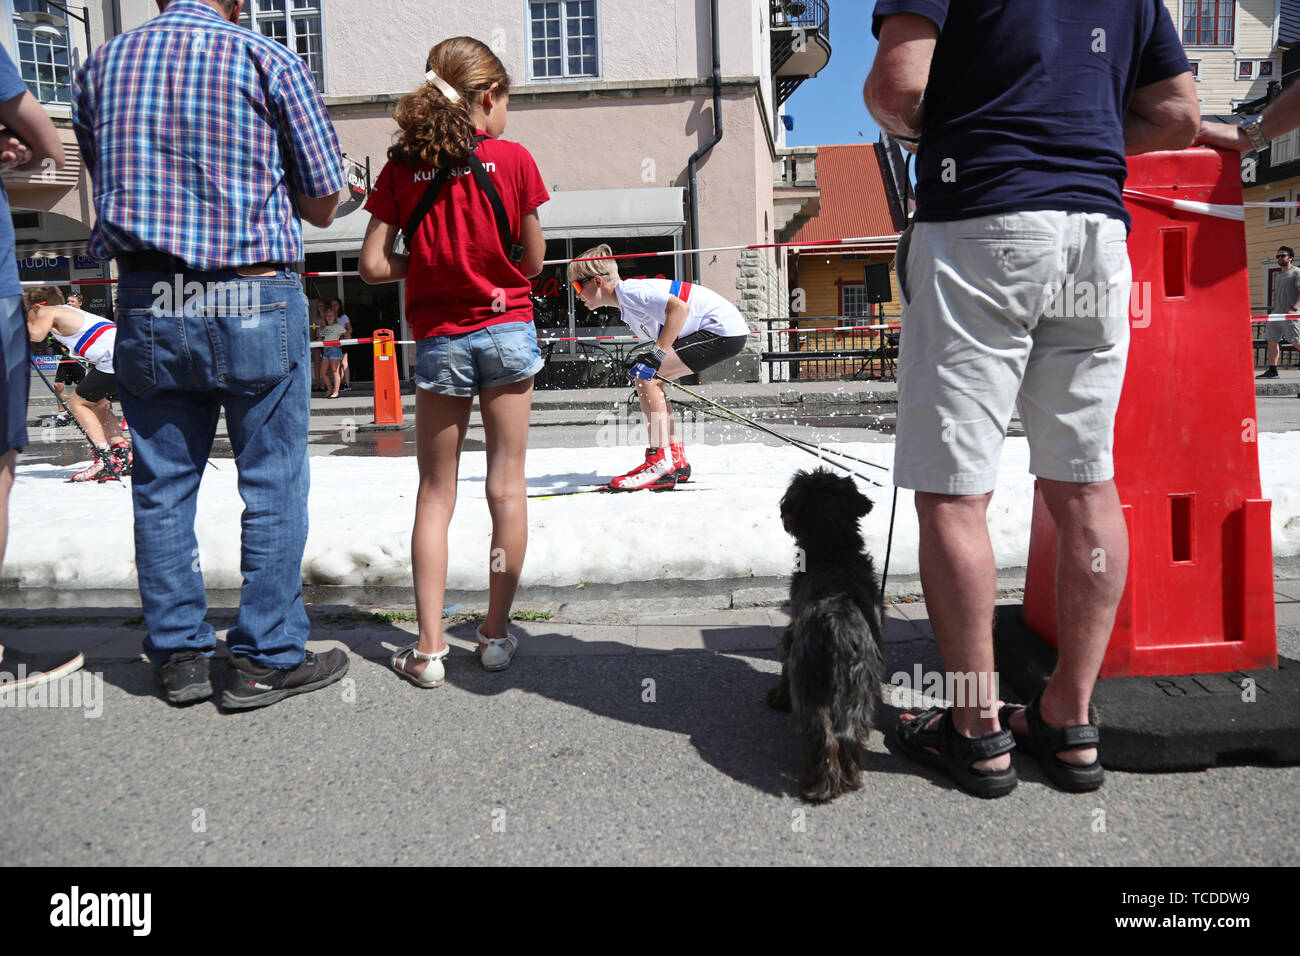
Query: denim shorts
{"points": [[15, 374], [333, 351], [465, 364]]}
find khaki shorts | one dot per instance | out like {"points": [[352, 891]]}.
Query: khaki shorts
{"points": [[1029, 305], [1282, 330]]}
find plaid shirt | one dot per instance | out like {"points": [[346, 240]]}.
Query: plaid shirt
{"points": [[195, 130]]}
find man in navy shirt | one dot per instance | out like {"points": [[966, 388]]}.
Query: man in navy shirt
{"points": [[1021, 113]]}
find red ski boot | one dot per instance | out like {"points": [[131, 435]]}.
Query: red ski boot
{"points": [[103, 467], [681, 467], [654, 474], [123, 458]]}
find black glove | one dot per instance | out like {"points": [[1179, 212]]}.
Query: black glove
{"points": [[645, 366]]}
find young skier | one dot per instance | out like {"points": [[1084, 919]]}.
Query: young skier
{"points": [[90, 337], [692, 328]]}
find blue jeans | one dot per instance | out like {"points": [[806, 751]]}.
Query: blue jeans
{"points": [[15, 374], [240, 344]]}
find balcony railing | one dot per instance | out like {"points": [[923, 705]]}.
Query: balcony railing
{"points": [[801, 46]]}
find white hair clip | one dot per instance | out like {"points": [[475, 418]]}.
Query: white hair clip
{"points": [[447, 89]]}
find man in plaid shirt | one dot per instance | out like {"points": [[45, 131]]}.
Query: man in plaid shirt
{"points": [[206, 142]]}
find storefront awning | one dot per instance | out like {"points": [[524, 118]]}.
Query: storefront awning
{"points": [[344, 234], [594, 213], [570, 214]]}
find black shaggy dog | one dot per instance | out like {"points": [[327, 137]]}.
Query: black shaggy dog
{"points": [[832, 663]]}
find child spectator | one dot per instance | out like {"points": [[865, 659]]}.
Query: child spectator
{"points": [[692, 328], [342, 319], [470, 256], [317, 323], [333, 359]]}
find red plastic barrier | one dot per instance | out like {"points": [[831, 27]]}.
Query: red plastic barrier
{"points": [[388, 394], [1199, 596]]}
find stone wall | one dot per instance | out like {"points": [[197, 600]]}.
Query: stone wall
{"points": [[763, 295]]}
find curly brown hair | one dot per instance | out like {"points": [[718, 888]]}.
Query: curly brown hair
{"points": [[435, 131]]}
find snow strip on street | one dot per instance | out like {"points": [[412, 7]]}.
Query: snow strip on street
{"points": [[725, 526]]}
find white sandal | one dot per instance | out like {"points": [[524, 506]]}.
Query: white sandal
{"points": [[496, 652], [434, 672]]}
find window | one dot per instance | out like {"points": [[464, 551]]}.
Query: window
{"points": [[563, 38], [44, 56], [1249, 69], [853, 300], [294, 23], [1283, 149], [1278, 215], [1209, 22]]}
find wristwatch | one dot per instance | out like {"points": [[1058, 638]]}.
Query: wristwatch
{"points": [[1255, 131]]}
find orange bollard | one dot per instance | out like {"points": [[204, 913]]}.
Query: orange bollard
{"points": [[388, 394]]}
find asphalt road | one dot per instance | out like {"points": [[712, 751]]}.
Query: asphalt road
{"points": [[569, 757]]}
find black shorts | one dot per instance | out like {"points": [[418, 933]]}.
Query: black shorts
{"points": [[97, 385], [699, 350], [70, 372]]}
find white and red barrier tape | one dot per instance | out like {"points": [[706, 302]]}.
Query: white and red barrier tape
{"points": [[608, 338]]}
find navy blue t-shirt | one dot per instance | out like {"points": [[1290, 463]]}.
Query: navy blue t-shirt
{"points": [[1026, 98], [11, 85]]}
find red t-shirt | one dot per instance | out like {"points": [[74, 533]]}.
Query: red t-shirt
{"points": [[458, 271]]}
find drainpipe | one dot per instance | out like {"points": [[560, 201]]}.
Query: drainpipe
{"points": [[117, 17], [693, 163]]}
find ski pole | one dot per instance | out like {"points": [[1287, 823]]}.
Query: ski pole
{"points": [[822, 453], [741, 420], [94, 449], [815, 450], [93, 446]]}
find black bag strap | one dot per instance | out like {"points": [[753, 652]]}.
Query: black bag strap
{"points": [[425, 204], [514, 251]]}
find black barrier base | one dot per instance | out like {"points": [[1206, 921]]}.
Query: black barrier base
{"points": [[1179, 722]]}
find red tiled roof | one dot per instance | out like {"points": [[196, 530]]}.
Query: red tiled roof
{"points": [[853, 201]]}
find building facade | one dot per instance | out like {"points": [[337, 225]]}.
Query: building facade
{"points": [[613, 98], [1244, 53], [1232, 46]]}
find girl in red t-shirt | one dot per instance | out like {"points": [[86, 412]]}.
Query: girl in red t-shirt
{"points": [[467, 304]]}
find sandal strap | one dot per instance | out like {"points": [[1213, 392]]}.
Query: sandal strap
{"points": [[1056, 739], [944, 736], [971, 749], [498, 641], [419, 655]]}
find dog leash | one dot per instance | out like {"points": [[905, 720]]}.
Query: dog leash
{"points": [[900, 269]]}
